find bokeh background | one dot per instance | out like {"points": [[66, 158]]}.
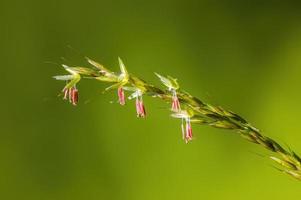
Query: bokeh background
{"points": [[242, 55]]}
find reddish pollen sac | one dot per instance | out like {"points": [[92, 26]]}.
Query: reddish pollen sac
{"points": [[188, 135], [65, 91], [121, 96], [187, 131], [137, 107], [74, 97], [71, 94], [140, 109], [175, 106], [183, 130]]}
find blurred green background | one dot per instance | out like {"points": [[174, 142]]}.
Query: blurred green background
{"points": [[242, 55]]}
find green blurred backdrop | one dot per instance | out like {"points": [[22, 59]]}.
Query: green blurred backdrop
{"points": [[242, 55]]}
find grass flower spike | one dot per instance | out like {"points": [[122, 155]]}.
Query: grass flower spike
{"points": [[70, 91], [185, 116], [173, 86], [123, 80], [185, 107]]}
